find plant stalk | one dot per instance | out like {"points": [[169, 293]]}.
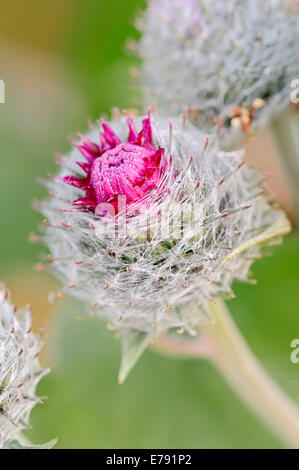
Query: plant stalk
{"points": [[222, 343], [286, 134]]}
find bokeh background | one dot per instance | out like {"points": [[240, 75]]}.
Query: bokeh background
{"points": [[64, 62]]}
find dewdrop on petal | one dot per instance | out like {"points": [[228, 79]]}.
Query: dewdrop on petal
{"points": [[192, 221], [20, 372], [229, 63]]}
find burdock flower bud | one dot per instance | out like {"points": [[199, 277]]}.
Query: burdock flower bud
{"points": [[20, 372], [149, 222], [229, 63]]}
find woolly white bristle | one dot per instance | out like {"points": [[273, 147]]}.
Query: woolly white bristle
{"points": [[20, 370], [230, 62], [172, 254]]}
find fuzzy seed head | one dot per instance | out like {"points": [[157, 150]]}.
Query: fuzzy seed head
{"points": [[148, 265], [229, 63], [20, 370]]}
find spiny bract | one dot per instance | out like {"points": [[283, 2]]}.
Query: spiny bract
{"points": [[20, 371], [225, 62], [149, 265]]}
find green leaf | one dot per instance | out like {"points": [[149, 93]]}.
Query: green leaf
{"points": [[133, 344], [281, 226]]}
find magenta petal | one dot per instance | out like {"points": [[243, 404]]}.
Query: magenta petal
{"points": [[85, 202], [104, 143], [85, 167], [156, 158], [77, 182], [111, 137], [152, 182], [129, 190], [90, 146], [141, 138], [109, 190], [133, 134], [86, 153], [69, 179], [147, 128], [145, 135], [100, 194]]}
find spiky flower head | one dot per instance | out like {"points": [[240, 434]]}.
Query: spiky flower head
{"points": [[20, 371], [115, 168], [193, 223], [229, 63]]}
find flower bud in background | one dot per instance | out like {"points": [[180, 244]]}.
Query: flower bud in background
{"points": [[226, 63], [20, 372], [147, 222]]}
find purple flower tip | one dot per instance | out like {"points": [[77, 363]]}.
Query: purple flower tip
{"points": [[131, 169]]}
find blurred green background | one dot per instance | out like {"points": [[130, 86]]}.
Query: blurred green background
{"points": [[64, 63]]}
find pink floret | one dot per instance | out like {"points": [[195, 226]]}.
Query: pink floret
{"points": [[132, 169]]}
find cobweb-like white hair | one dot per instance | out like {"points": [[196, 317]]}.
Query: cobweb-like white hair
{"points": [[210, 58], [186, 246], [20, 371]]}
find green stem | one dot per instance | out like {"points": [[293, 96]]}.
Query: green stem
{"points": [[286, 133], [222, 343]]}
